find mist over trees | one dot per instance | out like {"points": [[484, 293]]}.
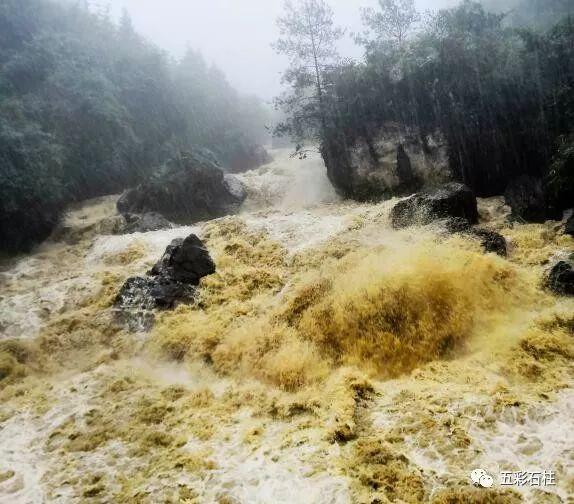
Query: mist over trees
{"points": [[498, 87], [89, 107], [308, 39]]}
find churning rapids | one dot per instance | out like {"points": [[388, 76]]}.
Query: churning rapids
{"points": [[330, 359]]}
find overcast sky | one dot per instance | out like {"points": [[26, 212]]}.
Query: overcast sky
{"points": [[234, 34]]}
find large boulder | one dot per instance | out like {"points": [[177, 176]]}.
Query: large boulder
{"points": [[189, 188], [384, 162], [173, 280], [560, 279], [185, 261], [452, 200], [528, 199]]}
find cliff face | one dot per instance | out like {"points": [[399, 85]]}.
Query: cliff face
{"points": [[391, 162]]}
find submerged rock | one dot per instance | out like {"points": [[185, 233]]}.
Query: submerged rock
{"points": [[189, 188], [173, 280], [560, 279], [452, 200], [491, 241], [145, 223]]}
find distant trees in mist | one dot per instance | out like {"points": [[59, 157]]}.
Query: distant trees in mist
{"points": [[88, 107]]}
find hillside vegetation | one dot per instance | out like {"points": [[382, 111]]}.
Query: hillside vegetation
{"points": [[89, 107]]}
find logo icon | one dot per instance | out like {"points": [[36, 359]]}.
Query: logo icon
{"points": [[481, 478]]}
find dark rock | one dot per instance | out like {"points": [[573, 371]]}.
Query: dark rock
{"points": [[457, 225], [450, 200], [491, 241], [189, 188], [21, 229], [145, 223], [408, 180], [185, 261], [134, 305], [171, 281], [561, 278], [569, 229], [528, 200]]}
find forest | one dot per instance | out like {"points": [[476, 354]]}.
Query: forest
{"points": [[360, 291], [483, 92], [492, 90], [88, 107]]}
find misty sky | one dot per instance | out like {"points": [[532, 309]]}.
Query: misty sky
{"points": [[235, 34]]}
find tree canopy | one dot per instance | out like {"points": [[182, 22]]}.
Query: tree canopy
{"points": [[89, 107]]}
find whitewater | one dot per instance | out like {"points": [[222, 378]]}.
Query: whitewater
{"points": [[331, 359]]}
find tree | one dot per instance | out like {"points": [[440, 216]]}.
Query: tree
{"points": [[308, 39], [89, 107], [392, 23], [126, 28]]}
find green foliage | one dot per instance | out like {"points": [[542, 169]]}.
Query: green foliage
{"points": [[391, 23], [308, 39], [501, 97], [89, 108]]}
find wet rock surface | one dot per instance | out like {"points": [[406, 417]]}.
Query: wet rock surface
{"points": [[491, 241], [145, 223], [173, 280], [383, 163], [560, 279], [188, 189], [185, 261], [452, 200]]}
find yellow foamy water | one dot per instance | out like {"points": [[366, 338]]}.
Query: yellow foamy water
{"points": [[329, 360]]}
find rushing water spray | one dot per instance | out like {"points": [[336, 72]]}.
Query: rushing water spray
{"points": [[330, 359]]}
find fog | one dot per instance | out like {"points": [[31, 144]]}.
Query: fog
{"points": [[236, 35]]}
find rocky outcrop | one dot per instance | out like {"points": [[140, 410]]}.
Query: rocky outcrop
{"points": [[569, 229], [173, 280], [189, 188], [527, 197], [560, 279], [452, 200], [386, 163]]}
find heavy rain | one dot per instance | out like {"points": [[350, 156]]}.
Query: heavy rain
{"points": [[287, 251]]}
